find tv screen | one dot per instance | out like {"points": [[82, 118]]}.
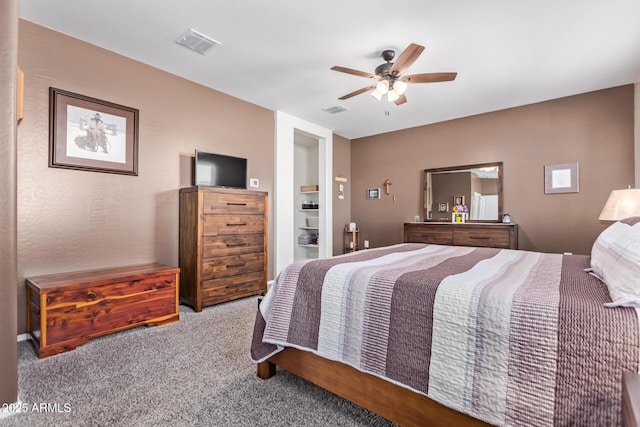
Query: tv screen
{"points": [[219, 170]]}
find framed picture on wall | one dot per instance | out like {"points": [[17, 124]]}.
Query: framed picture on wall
{"points": [[562, 178], [373, 193], [92, 135]]}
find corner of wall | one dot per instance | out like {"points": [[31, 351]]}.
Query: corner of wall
{"points": [[8, 203], [636, 121]]}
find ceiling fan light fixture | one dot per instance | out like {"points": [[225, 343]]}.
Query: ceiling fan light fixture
{"points": [[400, 87], [390, 79], [383, 86]]}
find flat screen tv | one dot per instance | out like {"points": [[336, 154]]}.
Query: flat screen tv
{"points": [[219, 170]]}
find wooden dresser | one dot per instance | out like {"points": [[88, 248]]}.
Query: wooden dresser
{"points": [[493, 235], [223, 245], [67, 309]]}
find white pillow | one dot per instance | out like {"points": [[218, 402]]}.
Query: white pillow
{"points": [[615, 259]]}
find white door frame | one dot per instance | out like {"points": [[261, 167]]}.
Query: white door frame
{"points": [[284, 229]]}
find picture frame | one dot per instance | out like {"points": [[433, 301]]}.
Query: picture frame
{"points": [[458, 200], [373, 193], [443, 207], [459, 217], [561, 178], [90, 134]]}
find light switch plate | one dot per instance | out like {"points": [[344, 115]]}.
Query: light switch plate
{"points": [[254, 182]]}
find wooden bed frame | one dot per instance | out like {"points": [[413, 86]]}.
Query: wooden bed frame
{"points": [[395, 403], [398, 404]]}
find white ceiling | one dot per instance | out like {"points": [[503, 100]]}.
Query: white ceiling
{"points": [[278, 53]]}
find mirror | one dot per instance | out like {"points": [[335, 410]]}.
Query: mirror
{"points": [[477, 187]]}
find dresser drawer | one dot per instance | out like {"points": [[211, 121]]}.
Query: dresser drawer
{"points": [[493, 238], [216, 267], [488, 235], [228, 288], [233, 203], [232, 244], [432, 235], [216, 225]]}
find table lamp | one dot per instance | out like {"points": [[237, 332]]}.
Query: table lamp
{"points": [[621, 204]]}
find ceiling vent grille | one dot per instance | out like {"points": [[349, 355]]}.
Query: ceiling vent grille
{"points": [[197, 41], [335, 109]]}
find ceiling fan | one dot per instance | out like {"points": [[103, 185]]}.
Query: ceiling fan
{"points": [[390, 78]]}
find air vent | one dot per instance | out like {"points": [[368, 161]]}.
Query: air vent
{"points": [[197, 41], [335, 109]]}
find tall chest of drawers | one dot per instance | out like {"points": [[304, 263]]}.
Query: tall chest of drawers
{"points": [[223, 245]]}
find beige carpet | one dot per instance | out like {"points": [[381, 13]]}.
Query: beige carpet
{"points": [[193, 372]]}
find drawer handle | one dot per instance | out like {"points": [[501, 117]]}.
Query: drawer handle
{"points": [[236, 224], [235, 245], [480, 237], [236, 204], [236, 265]]}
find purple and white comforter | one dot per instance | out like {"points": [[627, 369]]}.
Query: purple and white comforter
{"points": [[509, 337]]}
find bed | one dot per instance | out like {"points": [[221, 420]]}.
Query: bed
{"points": [[446, 335]]}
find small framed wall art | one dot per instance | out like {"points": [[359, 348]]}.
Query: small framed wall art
{"points": [[561, 178], [373, 193]]}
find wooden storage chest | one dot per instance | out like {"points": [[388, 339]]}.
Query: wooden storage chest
{"points": [[223, 245], [66, 310]]}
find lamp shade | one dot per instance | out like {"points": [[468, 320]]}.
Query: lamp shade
{"points": [[400, 87], [621, 204], [383, 86], [392, 96], [377, 95]]}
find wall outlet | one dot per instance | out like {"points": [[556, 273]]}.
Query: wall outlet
{"points": [[254, 182], [366, 244]]}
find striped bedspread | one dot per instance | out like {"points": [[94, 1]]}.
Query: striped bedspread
{"points": [[509, 337]]}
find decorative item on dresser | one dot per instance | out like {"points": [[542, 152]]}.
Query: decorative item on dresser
{"points": [[66, 310], [493, 235], [223, 244]]}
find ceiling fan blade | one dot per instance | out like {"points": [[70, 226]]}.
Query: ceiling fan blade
{"points": [[400, 100], [352, 71], [406, 58], [357, 92], [430, 77]]}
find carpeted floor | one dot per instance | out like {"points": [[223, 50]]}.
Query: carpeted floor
{"points": [[193, 372]]}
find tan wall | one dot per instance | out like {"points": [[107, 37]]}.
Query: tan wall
{"points": [[637, 133], [8, 210], [70, 220], [341, 207], [595, 129]]}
